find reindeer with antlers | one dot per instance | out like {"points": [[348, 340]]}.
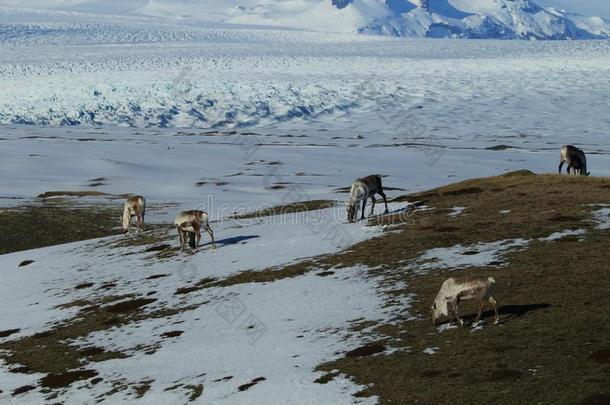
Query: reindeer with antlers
{"points": [[457, 289], [575, 158], [190, 223], [362, 190], [135, 206]]}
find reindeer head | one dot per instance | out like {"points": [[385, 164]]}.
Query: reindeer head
{"points": [[438, 309], [351, 212], [125, 225], [580, 165], [125, 219]]}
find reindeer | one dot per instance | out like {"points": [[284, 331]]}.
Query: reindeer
{"points": [[576, 159], [135, 206], [362, 190], [190, 222], [455, 290]]}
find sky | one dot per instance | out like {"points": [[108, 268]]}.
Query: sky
{"points": [[586, 7]]}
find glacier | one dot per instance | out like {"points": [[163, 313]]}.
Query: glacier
{"points": [[66, 68]]}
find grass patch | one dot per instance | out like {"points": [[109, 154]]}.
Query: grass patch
{"points": [[36, 226], [199, 285], [552, 297], [85, 193], [195, 391]]}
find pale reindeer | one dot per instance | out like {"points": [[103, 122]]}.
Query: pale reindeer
{"points": [[135, 206], [362, 190], [455, 290], [575, 158], [191, 222]]}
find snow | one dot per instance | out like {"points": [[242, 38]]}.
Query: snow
{"points": [[489, 253], [560, 235], [431, 350], [456, 211], [66, 69], [601, 216], [130, 74], [320, 316], [458, 256], [446, 326], [476, 327]]}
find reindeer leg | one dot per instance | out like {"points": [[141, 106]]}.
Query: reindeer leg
{"points": [[479, 314], [372, 206], [494, 304], [181, 237], [363, 208], [561, 162], [198, 234], [385, 201], [453, 308], [211, 233]]}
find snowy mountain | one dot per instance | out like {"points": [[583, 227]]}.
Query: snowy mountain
{"points": [[503, 19]]}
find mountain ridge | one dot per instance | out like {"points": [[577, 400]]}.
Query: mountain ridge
{"points": [[477, 19]]}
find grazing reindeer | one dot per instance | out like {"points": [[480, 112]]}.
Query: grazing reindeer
{"points": [[362, 190], [135, 206], [191, 222], [455, 290], [576, 159]]}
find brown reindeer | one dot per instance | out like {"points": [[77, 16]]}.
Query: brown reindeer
{"points": [[135, 206], [455, 290], [362, 190], [575, 158], [191, 222]]}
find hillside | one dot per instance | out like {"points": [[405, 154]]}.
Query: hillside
{"points": [[113, 310]]}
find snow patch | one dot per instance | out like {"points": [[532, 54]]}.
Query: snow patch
{"points": [[459, 256], [456, 211], [446, 326], [601, 216], [563, 234], [305, 322]]}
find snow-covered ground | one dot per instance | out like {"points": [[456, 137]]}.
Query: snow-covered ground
{"points": [[279, 330], [238, 118]]}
